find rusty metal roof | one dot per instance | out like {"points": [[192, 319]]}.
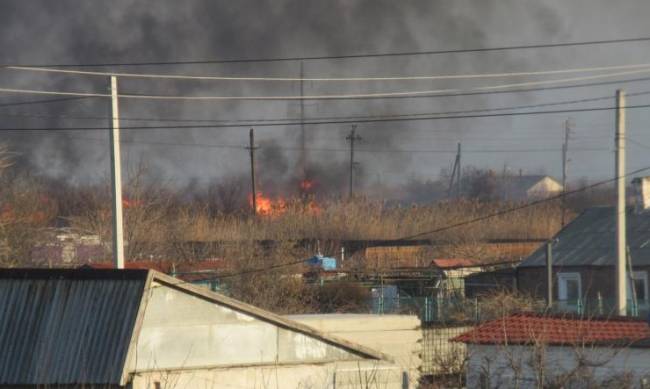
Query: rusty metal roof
{"points": [[590, 240], [66, 326]]}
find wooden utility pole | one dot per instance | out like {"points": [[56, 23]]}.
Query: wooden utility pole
{"points": [[621, 236], [116, 178], [549, 274], [303, 137], [252, 149], [565, 161], [459, 187], [455, 176], [353, 137]]}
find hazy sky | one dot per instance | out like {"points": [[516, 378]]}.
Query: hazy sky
{"points": [[64, 31]]}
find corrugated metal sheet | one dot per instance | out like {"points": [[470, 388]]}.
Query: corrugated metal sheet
{"points": [[590, 240], [66, 326]]}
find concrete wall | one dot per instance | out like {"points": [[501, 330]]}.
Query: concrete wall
{"points": [[343, 375], [180, 330], [398, 336], [514, 366]]}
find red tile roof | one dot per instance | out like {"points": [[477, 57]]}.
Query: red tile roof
{"points": [[557, 330], [453, 263]]}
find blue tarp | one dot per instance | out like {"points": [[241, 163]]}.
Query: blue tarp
{"points": [[326, 263]]}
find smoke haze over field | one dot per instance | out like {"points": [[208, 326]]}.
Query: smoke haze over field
{"points": [[67, 32]]}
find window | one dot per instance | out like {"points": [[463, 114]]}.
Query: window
{"points": [[569, 287], [640, 282]]}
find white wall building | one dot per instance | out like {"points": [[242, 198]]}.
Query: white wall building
{"points": [[531, 351]]}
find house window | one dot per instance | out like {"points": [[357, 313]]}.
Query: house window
{"points": [[569, 287], [640, 282]]}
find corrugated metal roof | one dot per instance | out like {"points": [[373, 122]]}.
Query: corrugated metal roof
{"points": [[66, 326], [590, 240]]}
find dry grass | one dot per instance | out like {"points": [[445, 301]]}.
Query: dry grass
{"points": [[367, 219]]}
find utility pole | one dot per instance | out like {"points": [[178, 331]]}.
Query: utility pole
{"points": [[565, 161], [252, 149], [549, 274], [353, 137], [116, 178], [621, 238], [455, 176]]}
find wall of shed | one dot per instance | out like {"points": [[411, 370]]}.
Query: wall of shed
{"points": [[180, 330], [512, 366], [345, 375], [398, 336]]}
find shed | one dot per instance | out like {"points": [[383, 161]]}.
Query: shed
{"points": [[143, 329]]}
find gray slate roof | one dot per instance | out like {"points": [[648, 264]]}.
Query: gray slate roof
{"points": [[590, 240], [66, 327]]}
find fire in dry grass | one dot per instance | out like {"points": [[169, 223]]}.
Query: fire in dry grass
{"points": [[267, 206]]}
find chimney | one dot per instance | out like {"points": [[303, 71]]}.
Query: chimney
{"points": [[641, 187]]}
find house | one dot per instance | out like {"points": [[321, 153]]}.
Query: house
{"points": [[584, 262], [529, 187], [532, 351], [136, 329]]}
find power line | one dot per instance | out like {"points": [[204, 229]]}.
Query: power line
{"points": [[20, 103], [187, 120], [522, 90], [347, 56], [352, 121], [327, 79], [334, 150], [323, 97]]}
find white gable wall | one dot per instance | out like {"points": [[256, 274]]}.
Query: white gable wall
{"points": [[180, 330]]}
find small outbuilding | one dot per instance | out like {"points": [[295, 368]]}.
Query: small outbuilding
{"points": [[534, 351], [137, 329]]}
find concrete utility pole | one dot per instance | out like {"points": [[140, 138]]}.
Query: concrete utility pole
{"points": [[353, 137], [565, 161], [252, 149], [621, 238], [116, 178]]}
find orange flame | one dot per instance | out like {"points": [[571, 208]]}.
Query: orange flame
{"points": [[266, 206]]}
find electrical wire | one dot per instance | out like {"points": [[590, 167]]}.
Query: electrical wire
{"points": [[349, 56], [323, 97], [187, 120], [338, 150], [328, 79], [310, 122]]}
